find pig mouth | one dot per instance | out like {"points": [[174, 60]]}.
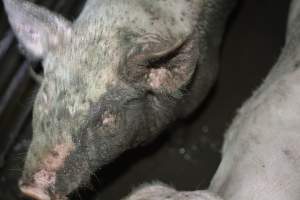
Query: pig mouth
{"points": [[37, 193], [38, 189]]}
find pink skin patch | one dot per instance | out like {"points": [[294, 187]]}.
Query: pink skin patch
{"points": [[55, 160], [158, 76], [46, 176], [108, 119]]}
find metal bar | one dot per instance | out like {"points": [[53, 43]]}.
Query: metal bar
{"points": [[6, 42], [15, 133], [14, 85]]}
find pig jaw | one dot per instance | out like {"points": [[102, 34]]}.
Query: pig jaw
{"points": [[41, 185]]}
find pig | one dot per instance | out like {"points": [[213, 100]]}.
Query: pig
{"points": [[114, 78], [261, 152]]}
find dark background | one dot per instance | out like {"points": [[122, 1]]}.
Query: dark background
{"points": [[187, 155]]}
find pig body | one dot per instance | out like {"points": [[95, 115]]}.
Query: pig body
{"points": [[113, 79], [261, 153]]}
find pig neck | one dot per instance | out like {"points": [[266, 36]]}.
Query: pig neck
{"points": [[261, 152]]}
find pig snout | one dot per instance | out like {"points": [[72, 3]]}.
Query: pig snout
{"points": [[38, 193], [40, 184], [40, 188], [34, 191]]}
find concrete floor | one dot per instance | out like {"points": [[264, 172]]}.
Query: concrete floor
{"points": [[187, 155]]}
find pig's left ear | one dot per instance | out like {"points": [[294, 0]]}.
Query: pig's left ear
{"points": [[38, 29], [166, 70]]}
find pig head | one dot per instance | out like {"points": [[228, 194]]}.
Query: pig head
{"points": [[113, 79]]}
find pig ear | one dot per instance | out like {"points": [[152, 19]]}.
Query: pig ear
{"points": [[38, 29], [167, 70]]}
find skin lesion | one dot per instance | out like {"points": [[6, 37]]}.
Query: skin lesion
{"points": [[159, 78], [46, 176], [108, 119], [56, 158], [168, 79]]}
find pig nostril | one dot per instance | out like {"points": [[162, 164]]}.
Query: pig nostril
{"points": [[34, 192]]}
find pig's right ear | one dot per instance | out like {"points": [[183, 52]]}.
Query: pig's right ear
{"points": [[38, 29]]}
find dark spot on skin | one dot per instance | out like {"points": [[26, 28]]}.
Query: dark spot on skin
{"points": [[54, 153], [133, 21], [297, 64], [149, 7], [287, 152], [291, 157]]}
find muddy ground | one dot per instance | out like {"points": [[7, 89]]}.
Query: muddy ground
{"points": [[185, 156]]}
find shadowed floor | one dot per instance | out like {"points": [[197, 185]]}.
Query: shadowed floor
{"points": [[187, 155]]}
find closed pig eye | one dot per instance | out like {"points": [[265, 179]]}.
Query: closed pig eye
{"points": [[165, 71]]}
